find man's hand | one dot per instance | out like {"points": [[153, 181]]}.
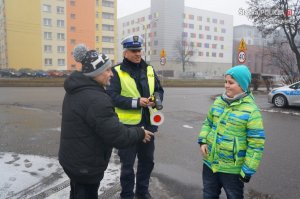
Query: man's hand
{"points": [[204, 149], [144, 102], [148, 136]]}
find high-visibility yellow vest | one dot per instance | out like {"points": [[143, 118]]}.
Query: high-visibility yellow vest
{"points": [[129, 89]]}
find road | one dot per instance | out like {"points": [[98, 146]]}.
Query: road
{"points": [[30, 124]]}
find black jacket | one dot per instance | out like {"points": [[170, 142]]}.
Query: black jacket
{"points": [[139, 73], [89, 130]]}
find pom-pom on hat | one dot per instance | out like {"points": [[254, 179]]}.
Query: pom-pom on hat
{"points": [[93, 62], [133, 42], [241, 74]]}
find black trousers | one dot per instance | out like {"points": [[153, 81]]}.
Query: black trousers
{"points": [[84, 191], [145, 154]]}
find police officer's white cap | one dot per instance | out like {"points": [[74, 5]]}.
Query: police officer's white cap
{"points": [[133, 42]]}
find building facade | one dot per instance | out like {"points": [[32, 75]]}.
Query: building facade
{"points": [[210, 35], [41, 34], [258, 53]]}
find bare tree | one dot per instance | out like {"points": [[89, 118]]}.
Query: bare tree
{"points": [[283, 58], [273, 15], [184, 51]]}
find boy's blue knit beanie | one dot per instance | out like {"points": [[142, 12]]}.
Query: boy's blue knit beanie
{"points": [[241, 74]]}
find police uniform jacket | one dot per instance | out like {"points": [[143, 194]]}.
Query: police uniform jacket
{"points": [[90, 129], [139, 73]]}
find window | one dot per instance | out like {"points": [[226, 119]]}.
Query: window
{"points": [[215, 29], [207, 54], [191, 26], [207, 28], [60, 49], [73, 29], [46, 8], [61, 36], [184, 34], [107, 4], [48, 62], [108, 50], [155, 42], [199, 18], [220, 54], [97, 16], [60, 23], [208, 37], [107, 27], [47, 22], [97, 26], [193, 35], [73, 41], [106, 15], [214, 54], [61, 62], [221, 38], [72, 2], [200, 27], [48, 35], [222, 47], [208, 20], [200, 54], [97, 38], [216, 38], [47, 48], [215, 21], [108, 39], [223, 30], [222, 22], [201, 36], [191, 17], [73, 16], [206, 45], [214, 46], [199, 44], [60, 10]]}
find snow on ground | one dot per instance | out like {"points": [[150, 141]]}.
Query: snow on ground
{"points": [[25, 176]]}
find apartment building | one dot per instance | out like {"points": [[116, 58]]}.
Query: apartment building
{"points": [[166, 22], [41, 34], [258, 52]]}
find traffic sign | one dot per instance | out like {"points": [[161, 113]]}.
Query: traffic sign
{"points": [[241, 57], [242, 46], [163, 53], [163, 61]]}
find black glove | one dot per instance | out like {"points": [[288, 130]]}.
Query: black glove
{"points": [[245, 179]]}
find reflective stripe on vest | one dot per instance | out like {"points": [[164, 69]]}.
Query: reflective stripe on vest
{"points": [[129, 89]]}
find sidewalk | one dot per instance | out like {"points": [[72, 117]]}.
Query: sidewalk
{"points": [[38, 177]]}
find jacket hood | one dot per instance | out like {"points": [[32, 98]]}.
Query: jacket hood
{"points": [[78, 81]]}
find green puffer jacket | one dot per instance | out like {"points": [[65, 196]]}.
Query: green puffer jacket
{"points": [[235, 136]]}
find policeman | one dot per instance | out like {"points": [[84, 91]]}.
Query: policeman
{"points": [[133, 83]]}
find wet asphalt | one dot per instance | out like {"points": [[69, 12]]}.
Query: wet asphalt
{"points": [[30, 124]]}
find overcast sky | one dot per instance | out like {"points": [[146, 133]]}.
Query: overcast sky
{"points": [[231, 7]]}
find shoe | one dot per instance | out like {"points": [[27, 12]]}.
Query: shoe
{"points": [[146, 196]]}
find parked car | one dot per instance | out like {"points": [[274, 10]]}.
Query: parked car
{"points": [[285, 96], [41, 73]]}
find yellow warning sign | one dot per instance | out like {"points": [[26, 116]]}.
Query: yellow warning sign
{"points": [[163, 53], [242, 46]]}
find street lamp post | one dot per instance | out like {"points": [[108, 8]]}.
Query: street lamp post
{"points": [[145, 37]]}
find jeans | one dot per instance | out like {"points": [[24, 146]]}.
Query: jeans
{"points": [[213, 183], [145, 154], [80, 191]]}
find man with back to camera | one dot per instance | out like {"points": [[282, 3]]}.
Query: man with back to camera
{"points": [[133, 83], [90, 127]]}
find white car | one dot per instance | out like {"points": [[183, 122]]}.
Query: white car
{"points": [[285, 96]]}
